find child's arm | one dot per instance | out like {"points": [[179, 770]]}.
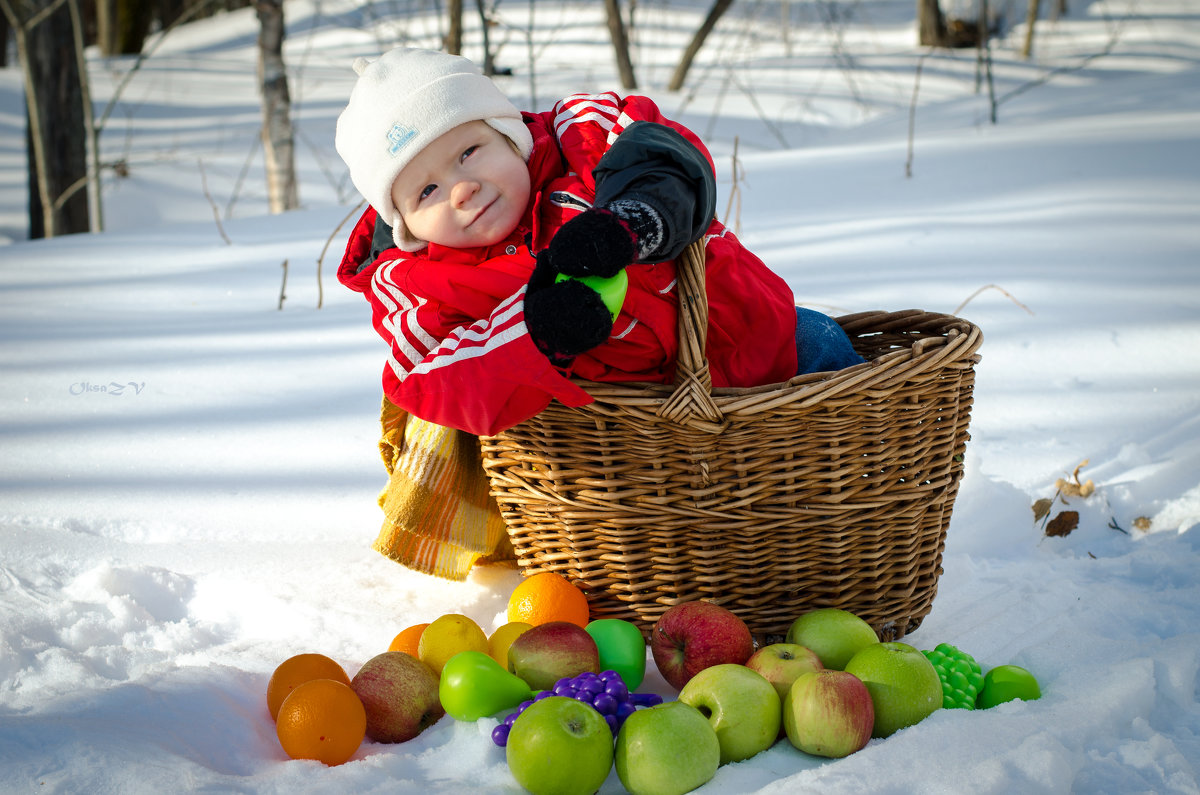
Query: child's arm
{"points": [[655, 193], [481, 377], [459, 353]]}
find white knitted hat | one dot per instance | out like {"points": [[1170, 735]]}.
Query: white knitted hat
{"points": [[401, 103]]}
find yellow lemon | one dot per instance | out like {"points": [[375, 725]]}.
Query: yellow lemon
{"points": [[446, 636], [502, 638]]}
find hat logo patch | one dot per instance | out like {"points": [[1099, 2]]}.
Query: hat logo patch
{"points": [[399, 135]]}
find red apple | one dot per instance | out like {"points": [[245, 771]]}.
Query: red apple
{"points": [[400, 695], [692, 636], [551, 651], [781, 664], [828, 713]]}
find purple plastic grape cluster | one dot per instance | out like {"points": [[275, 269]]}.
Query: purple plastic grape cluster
{"points": [[605, 692]]}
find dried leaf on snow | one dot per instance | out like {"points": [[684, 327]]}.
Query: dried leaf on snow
{"points": [[1041, 508], [1073, 487], [1063, 524]]}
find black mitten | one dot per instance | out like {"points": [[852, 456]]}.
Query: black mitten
{"points": [[594, 243], [565, 319]]}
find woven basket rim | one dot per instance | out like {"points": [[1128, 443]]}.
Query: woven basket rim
{"points": [[952, 338]]}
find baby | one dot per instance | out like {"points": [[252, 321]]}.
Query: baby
{"points": [[477, 208]]}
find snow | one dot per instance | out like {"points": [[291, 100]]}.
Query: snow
{"points": [[189, 472]]}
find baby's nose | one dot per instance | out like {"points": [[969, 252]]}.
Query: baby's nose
{"points": [[463, 191]]}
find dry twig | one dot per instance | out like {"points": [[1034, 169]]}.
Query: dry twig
{"points": [[1006, 293]]}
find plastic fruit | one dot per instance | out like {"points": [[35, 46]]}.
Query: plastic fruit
{"points": [[295, 671], [446, 636], [622, 649], [473, 685], [611, 289], [666, 750], [408, 640], [321, 719], [692, 636], [548, 596], [503, 637], [561, 746], [1006, 683], [606, 693], [742, 707], [904, 687], [548, 652], [400, 694], [828, 713], [835, 635], [961, 676]]}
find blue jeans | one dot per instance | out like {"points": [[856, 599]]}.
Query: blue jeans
{"points": [[821, 344]]}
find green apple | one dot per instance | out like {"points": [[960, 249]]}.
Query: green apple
{"points": [[782, 663], [904, 685], [1006, 683], [828, 713], [622, 649], [474, 685], [742, 706], [560, 745], [835, 635], [668, 749]]}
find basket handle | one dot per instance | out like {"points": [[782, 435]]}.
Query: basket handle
{"points": [[691, 403]]}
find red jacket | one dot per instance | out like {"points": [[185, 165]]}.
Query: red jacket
{"points": [[460, 354]]}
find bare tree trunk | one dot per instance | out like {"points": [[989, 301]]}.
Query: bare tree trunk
{"points": [[715, 13], [278, 141], [1030, 19], [57, 132], [489, 66], [454, 34], [931, 25], [616, 30], [5, 31], [122, 25]]}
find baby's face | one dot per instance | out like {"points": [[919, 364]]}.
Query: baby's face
{"points": [[468, 188]]}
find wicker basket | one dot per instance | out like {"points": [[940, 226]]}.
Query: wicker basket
{"points": [[830, 490]]}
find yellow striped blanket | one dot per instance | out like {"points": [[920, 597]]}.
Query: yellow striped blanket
{"points": [[439, 517]]}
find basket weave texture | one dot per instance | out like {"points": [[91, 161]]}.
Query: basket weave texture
{"points": [[829, 490]]}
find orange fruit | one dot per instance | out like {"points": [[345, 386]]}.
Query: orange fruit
{"points": [[446, 636], [295, 671], [408, 639], [322, 719], [547, 596]]}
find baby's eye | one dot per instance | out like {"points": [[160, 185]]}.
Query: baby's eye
{"points": [[469, 151], [427, 190]]}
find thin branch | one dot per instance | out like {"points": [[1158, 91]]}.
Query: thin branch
{"points": [[735, 190], [328, 242], [213, 204], [37, 18], [145, 54], [1006, 293], [283, 286], [912, 115], [1062, 70]]}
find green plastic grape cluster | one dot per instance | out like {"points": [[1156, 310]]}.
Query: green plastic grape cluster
{"points": [[961, 676]]}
